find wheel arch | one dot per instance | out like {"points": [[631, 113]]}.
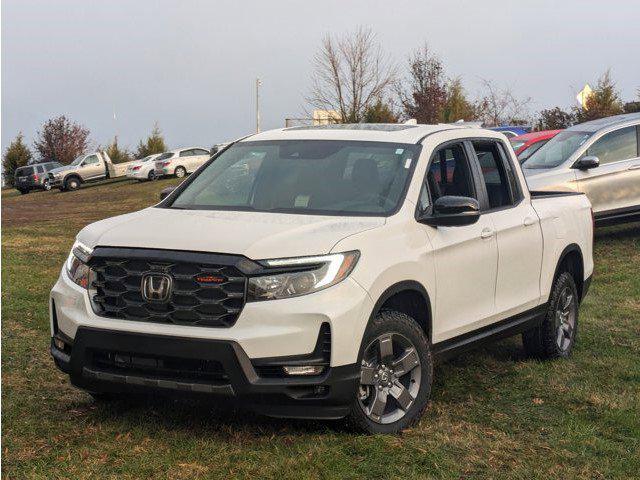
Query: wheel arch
{"points": [[409, 297], [571, 260]]}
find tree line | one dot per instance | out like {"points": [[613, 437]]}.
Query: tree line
{"points": [[62, 140], [354, 77]]}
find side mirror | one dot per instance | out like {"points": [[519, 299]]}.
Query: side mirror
{"points": [[452, 211], [587, 162], [166, 192]]}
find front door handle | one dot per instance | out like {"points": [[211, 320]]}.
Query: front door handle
{"points": [[528, 221], [487, 233]]}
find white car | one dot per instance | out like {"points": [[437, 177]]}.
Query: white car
{"points": [[182, 161], [143, 169], [319, 272]]}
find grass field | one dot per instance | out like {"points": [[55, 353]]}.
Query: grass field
{"points": [[494, 414]]}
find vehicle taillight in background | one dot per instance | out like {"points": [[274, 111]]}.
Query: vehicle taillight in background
{"points": [[165, 164], [136, 168], [35, 177]]}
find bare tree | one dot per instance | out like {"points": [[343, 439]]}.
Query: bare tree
{"points": [[61, 140], [499, 106], [350, 74], [423, 95]]}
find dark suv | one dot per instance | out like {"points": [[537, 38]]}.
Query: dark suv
{"points": [[34, 176]]}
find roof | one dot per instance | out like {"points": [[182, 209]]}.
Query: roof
{"points": [[535, 135], [378, 132], [595, 125]]}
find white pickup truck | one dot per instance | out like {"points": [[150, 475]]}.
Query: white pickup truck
{"points": [[321, 271], [86, 168]]}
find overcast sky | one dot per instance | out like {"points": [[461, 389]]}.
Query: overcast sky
{"points": [[191, 65]]}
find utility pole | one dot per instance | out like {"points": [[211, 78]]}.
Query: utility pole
{"points": [[258, 83]]}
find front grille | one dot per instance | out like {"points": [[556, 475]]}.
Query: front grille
{"points": [[158, 367], [202, 294]]}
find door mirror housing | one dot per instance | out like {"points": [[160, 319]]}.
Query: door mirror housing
{"points": [[452, 211], [587, 162], [166, 192]]}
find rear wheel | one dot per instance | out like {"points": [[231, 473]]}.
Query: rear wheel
{"points": [[152, 175], [180, 172], [395, 375], [72, 184], [46, 185], [556, 336], [23, 191]]}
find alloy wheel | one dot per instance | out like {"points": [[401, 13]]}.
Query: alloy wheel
{"points": [[565, 319], [389, 378]]}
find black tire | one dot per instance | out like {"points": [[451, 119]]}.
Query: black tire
{"points": [[547, 341], [151, 176], [180, 172], [394, 323], [46, 186], [23, 191], [71, 184], [102, 397]]}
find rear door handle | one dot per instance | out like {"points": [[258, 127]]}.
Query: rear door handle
{"points": [[487, 233], [528, 221]]}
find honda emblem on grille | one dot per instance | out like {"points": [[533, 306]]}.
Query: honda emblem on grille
{"points": [[156, 287]]}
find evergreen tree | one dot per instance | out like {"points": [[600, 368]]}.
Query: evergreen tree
{"points": [[153, 144], [16, 155]]}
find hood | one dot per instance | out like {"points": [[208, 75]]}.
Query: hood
{"points": [[558, 179], [62, 169], [256, 235]]}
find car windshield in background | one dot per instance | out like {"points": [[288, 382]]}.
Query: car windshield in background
{"points": [[557, 150], [304, 176], [165, 156], [517, 145], [24, 171]]}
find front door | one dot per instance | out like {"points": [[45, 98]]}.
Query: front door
{"points": [[615, 184], [466, 257], [91, 168]]}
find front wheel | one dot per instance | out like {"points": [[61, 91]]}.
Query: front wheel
{"points": [[395, 375], [180, 172], [72, 184], [556, 335]]}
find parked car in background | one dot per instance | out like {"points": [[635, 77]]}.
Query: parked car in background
{"points": [[217, 147], [181, 161], [529, 143], [34, 177], [143, 169], [599, 158], [319, 272], [85, 169], [511, 130]]}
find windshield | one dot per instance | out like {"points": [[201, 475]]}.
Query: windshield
{"points": [[164, 156], [77, 160], [517, 144], [557, 150], [304, 176]]}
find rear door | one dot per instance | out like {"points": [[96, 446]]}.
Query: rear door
{"points": [[519, 237], [186, 160], [466, 257], [614, 185], [200, 156]]}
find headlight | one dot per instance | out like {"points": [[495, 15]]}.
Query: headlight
{"points": [[77, 268], [302, 275]]}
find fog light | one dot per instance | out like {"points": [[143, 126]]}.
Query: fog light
{"points": [[304, 370], [59, 343]]}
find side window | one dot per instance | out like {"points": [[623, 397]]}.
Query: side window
{"points": [[90, 160], [186, 153], [40, 169], [200, 151], [498, 181], [618, 145], [448, 174]]}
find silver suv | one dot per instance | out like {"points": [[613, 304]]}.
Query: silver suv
{"points": [[600, 158]]}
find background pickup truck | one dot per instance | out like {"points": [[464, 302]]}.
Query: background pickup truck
{"points": [[320, 271], [86, 168]]}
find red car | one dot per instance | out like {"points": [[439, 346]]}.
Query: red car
{"points": [[525, 145]]}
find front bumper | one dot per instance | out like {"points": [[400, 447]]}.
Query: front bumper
{"points": [[197, 367], [55, 181]]}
